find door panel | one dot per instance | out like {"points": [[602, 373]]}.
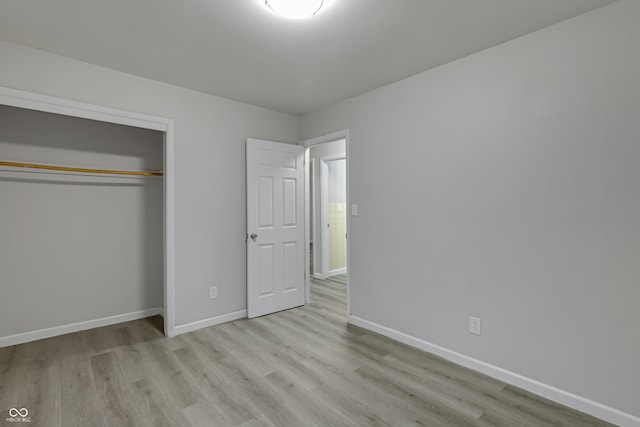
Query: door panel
{"points": [[265, 270], [265, 202], [289, 263], [275, 226], [289, 202]]}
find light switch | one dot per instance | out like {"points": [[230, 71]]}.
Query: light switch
{"points": [[354, 210]]}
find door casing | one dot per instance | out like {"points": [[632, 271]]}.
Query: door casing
{"points": [[324, 213]]}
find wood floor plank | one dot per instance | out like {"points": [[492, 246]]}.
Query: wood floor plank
{"points": [[256, 395], [149, 406], [307, 347], [214, 390], [301, 367], [454, 411], [244, 350], [389, 408], [42, 396], [158, 359], [456, 391], [132, 363], [79, 396], [206, 345], [325, 351], [434, 364], [108, 387], [351, 409], [258, 421], [73, 347], [202, 414], [279, 359], [222, 397], [12, 384], [305, 403], [540, 407], [102, 340], [339, 339]]}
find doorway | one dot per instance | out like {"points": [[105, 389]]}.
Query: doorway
{"points": [[327, 201], [332, 206], [48, 104]]}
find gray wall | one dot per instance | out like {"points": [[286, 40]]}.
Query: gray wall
{"points": [[506, 186], [210, 135], [337, 181], [77, 248]]}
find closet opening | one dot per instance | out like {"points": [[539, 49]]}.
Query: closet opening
{"points": [[86, 219]]}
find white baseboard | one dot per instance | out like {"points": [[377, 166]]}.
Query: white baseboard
{"points": [[211, 321], [75, 327], [338, 271], [571, 400]]}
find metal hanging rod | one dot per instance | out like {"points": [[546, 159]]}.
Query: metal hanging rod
{"points": [[82, 170]]}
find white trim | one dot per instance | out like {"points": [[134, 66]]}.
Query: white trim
{"points": [[337, 271], [310, 226], [50, 104], [348, 231], [67, 107], [169, 234], [329, 137], [75, 327], [211, 321], [325, 245], [547, 391], [324, 218]]}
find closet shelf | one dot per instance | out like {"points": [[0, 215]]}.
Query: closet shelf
{"points": [[80, 170]]}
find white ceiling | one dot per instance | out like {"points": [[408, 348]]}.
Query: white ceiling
{"points": [[239, 49]]}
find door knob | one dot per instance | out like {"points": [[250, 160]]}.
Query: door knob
{"points": [[253, 236]]}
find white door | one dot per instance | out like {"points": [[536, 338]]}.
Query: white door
{"points": [[275, 227]]}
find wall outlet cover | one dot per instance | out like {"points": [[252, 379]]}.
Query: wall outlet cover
{"points": [[475, 325]]}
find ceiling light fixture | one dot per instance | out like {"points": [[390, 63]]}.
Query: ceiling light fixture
{"points": [[295, 9]]}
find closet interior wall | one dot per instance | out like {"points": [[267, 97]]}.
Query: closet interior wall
{"points": [[77, 247]]}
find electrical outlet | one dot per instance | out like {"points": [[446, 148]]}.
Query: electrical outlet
{"points": [[213, 292], [475, 325]]}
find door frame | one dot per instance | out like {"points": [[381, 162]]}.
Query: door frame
{"points": [[67, 107], [307, 143]]}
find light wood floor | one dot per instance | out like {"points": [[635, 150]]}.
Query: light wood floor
{"points": [[340, 278], [302, 367]]}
